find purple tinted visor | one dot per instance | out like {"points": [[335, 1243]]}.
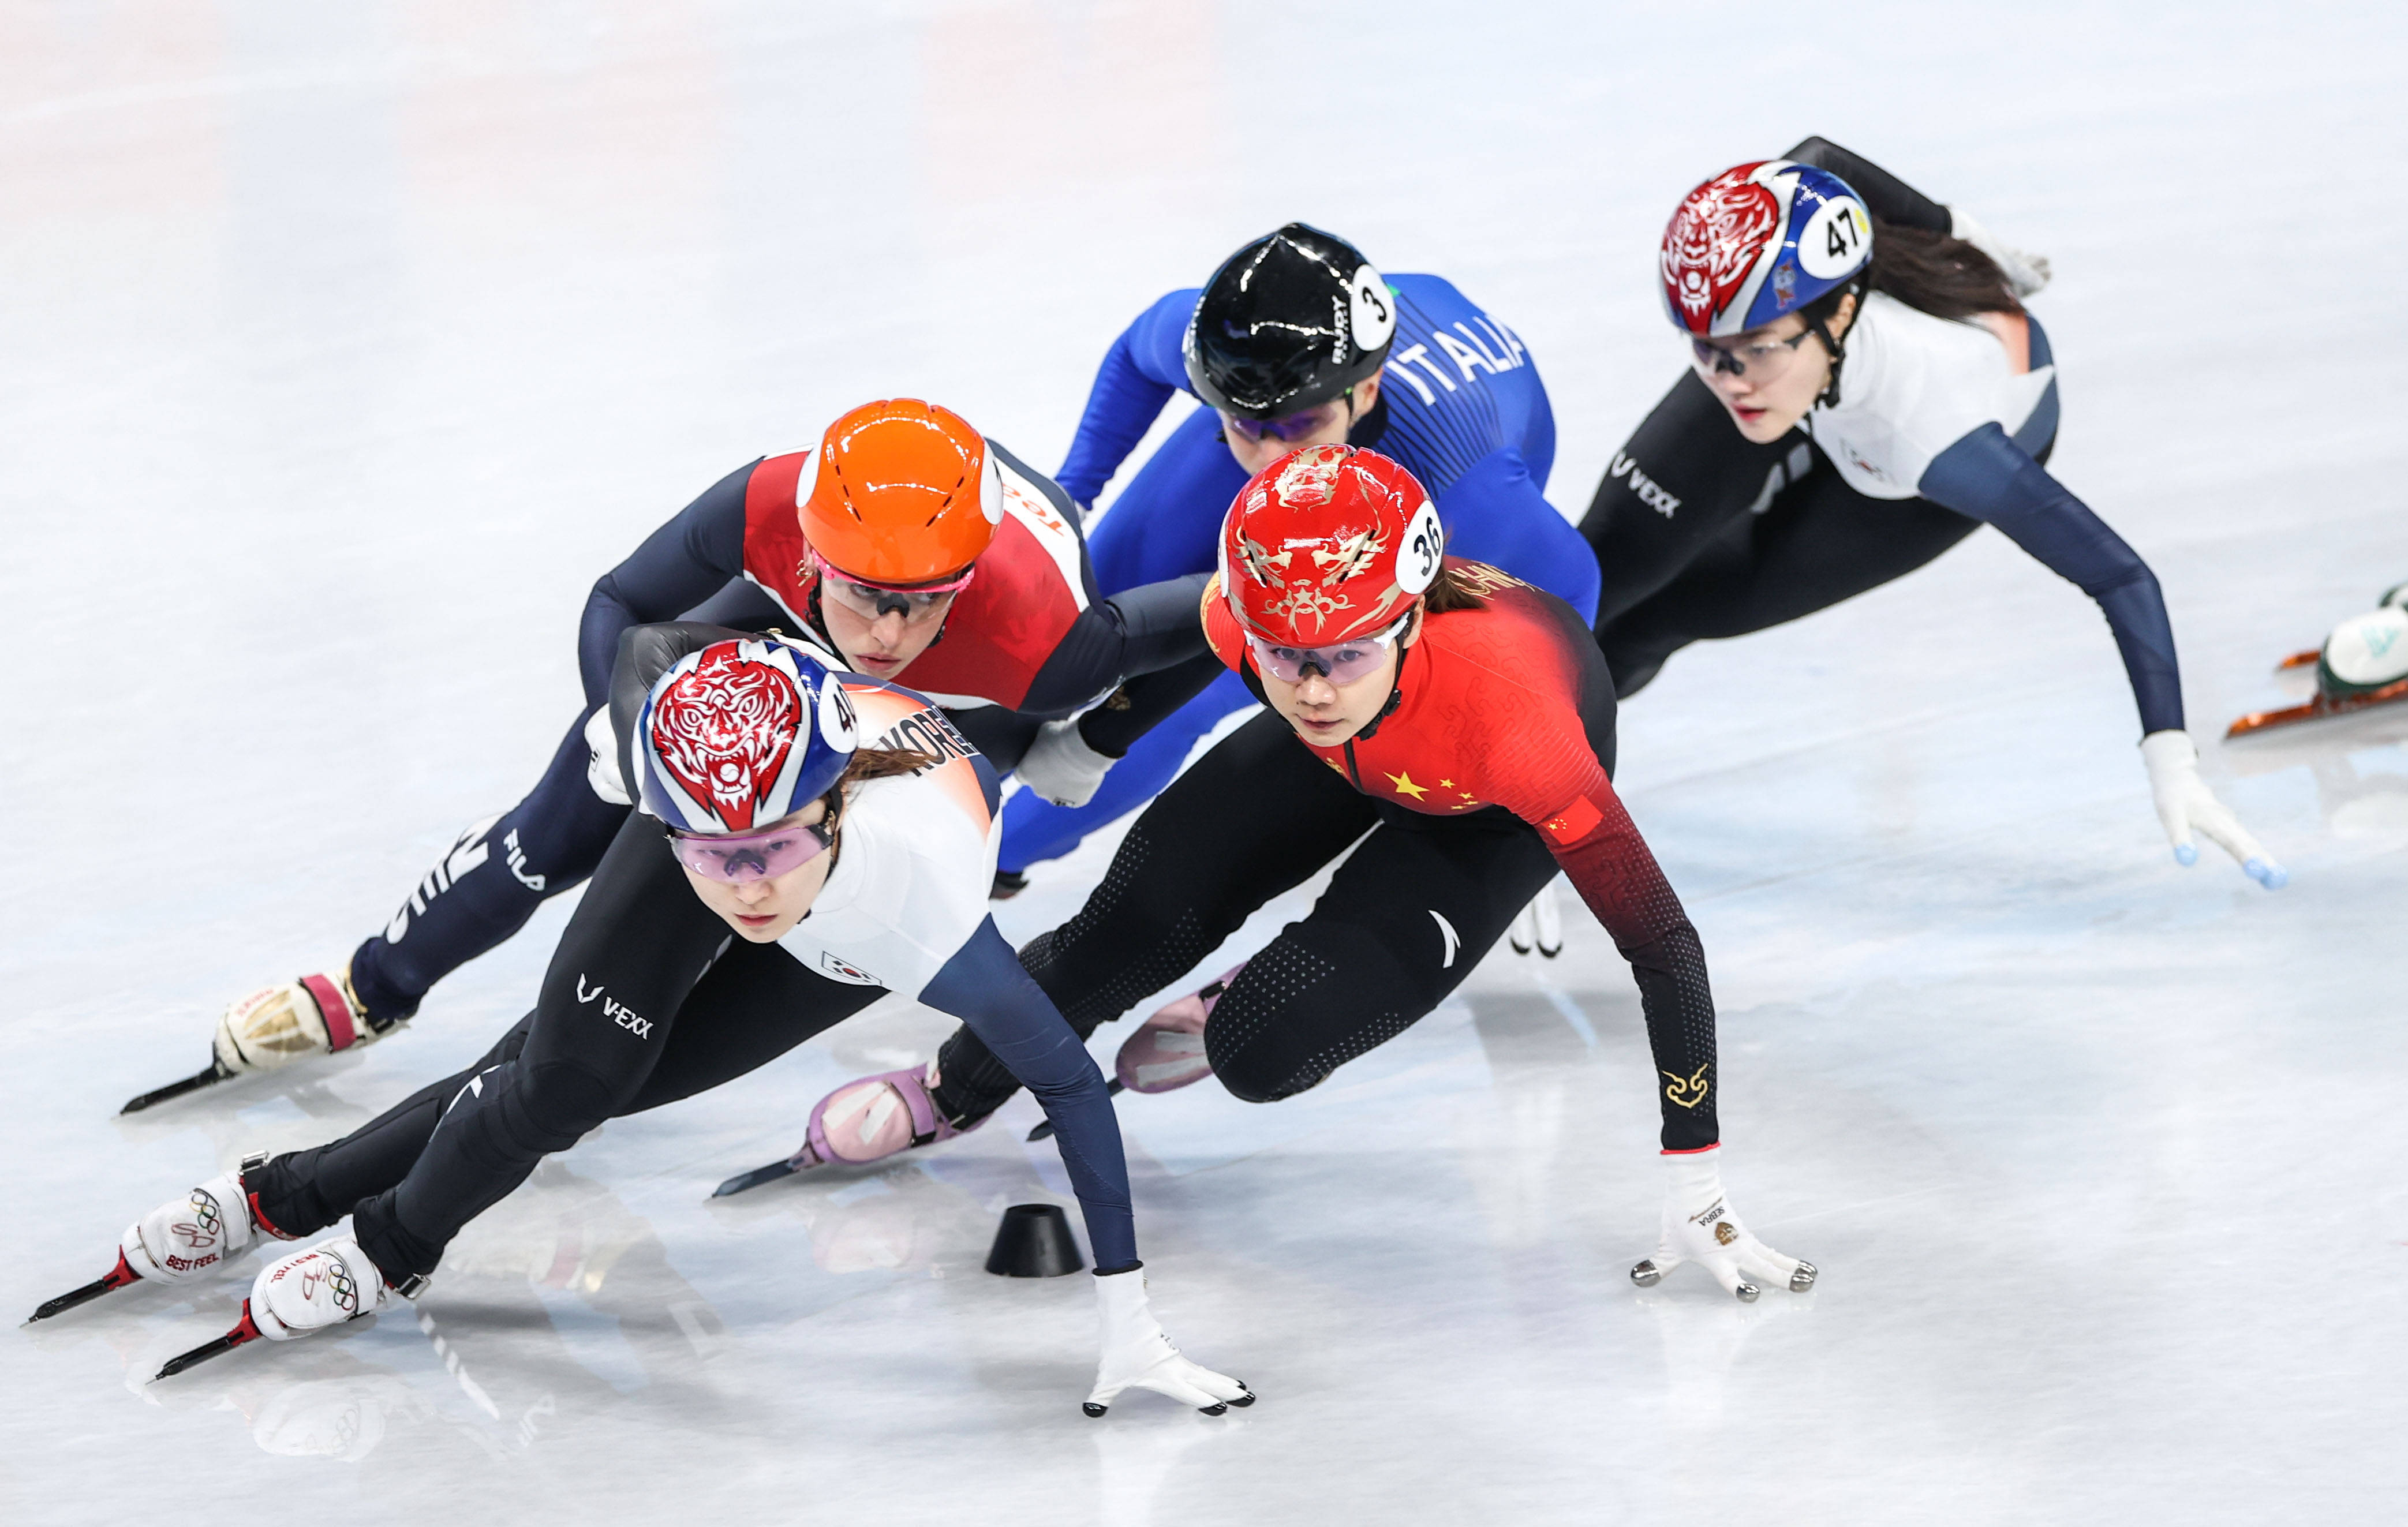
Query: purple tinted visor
{"points": [[1341, 664], [1290, 428], [739, 857]]}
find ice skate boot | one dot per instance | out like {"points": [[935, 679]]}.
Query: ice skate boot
{"points": [[861, 1122], [189, 1236], [329, 1284], [1167, 1052], [317, 1014], [1540, 925], [2362, 665], [310, 1015]]}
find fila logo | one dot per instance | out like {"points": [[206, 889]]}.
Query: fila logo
{"points": [[1648, 490], [517, 858], [616, 1011]]}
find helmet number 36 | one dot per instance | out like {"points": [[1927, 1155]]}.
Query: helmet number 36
{"points": [[1832, 244], [1425, 546]]}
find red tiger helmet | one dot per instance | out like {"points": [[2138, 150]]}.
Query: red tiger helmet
{"points": [[1327, 544]]}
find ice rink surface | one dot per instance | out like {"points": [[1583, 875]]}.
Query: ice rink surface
{"points": [[341, 346]]}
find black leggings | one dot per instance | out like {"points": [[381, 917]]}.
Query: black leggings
{"points": [[1754, 534], [1403, 921], [649, 999]]}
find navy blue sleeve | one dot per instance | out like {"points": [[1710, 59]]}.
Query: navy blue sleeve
{"points": [[1144, 366], [679, 566], [984, 986], [1494, 513], [1990, 478], [1137, 630]]}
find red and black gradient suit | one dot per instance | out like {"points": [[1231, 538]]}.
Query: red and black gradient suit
{"points": [[1488, 773]]}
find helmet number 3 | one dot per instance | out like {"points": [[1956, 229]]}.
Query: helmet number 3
{"points": [[1373, 316], [1832, 244], [1425, 546]]}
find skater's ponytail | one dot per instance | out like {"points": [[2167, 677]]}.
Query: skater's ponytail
{"points": [[883, 763], [1930, 271], [1456, 587]]}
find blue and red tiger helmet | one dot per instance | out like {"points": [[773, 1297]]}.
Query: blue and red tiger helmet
{"points": [[1759, 241], [740, 734]]}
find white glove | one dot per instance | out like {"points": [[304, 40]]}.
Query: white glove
{"points": [[1061, 767], [1138, 1355], [2185, 802], [602, 765], [196, 1233], [2026, 273], [1699, 1227]]}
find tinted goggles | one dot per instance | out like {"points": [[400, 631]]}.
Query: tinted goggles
{"points": [[739, 857], [920, 602], [1290, 428], [1344, 664]]}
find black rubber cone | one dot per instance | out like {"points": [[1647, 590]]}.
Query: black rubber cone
{"points": [[1034, 1241]]}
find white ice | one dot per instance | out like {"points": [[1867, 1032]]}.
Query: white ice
{"points": [[342, 345]]}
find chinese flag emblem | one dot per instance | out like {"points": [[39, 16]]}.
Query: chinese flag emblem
{"points": [[1573, 822]]}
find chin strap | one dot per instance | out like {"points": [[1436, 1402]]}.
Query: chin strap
{"points": [[1830, 396], [1396, 698]]}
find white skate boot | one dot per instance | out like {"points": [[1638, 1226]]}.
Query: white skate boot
{"points": [[188, 1236], [316, 1014], [332, 1282]]}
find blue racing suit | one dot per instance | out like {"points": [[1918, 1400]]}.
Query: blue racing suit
{"points": [[1460, 405]]}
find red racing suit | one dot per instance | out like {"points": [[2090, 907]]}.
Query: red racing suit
{"points": [[1512, 706], [1030, 634]]}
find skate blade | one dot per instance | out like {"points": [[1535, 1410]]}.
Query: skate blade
{"points": [[741, 1182], [115, 1278], [2301, 660], [1045, 1131], [215, 1074], [2318, 709], [244, 1331]]}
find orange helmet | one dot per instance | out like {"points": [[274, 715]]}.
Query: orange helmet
{"points": [[906, 495]]}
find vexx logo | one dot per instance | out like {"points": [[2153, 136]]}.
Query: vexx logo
{"points": [[616, 1011]]}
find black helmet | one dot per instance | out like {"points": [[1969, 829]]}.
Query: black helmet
{"points": [[1292, 320]]}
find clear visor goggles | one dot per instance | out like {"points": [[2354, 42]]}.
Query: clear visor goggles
{"points": [[739, 857], [917, 602], [1347, 663], [1765, 359]]}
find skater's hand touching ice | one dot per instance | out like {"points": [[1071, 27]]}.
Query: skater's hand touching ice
{"points": [[1136, 1355], [2185, 802], [1699, 1227]]}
